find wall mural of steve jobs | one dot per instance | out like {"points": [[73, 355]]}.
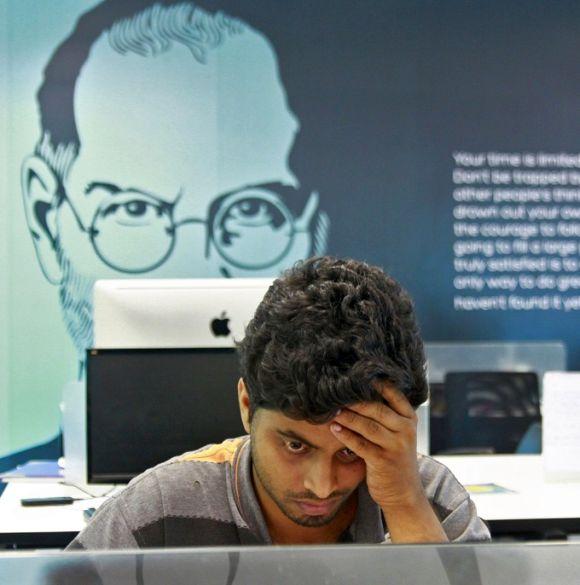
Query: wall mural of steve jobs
{"points": [[164, 146]]}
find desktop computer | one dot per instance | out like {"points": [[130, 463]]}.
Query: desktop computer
{"points": [[155, 314]]}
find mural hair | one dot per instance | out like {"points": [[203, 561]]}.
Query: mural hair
{"points": [[143, 27]]}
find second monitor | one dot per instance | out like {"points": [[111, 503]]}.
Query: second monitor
{"points": [[146, 406]]}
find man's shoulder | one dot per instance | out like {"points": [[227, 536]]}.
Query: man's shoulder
{"points": [[214, 457], [210, 462], [193, 484], [185, 501]]}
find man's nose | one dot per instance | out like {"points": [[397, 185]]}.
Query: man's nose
{"points": [[321, 479]]}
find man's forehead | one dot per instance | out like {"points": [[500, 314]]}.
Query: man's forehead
{"points": [[318, 435], [197, 115]]}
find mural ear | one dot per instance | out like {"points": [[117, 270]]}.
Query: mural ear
{"points": [[40, 194]]}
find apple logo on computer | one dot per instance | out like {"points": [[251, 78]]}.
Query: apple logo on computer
{"points": [[220, 325]]}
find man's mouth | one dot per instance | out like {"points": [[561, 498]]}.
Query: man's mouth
{"points": [[316, 508]]}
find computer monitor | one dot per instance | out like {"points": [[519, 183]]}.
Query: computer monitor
{"points": [[171, 313], [485, 413], [147, 405]]}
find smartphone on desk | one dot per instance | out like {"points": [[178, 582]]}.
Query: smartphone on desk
{"points": [[55, 501]]}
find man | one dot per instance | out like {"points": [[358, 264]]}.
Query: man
{"points": [[332, 368], [164, 147]]}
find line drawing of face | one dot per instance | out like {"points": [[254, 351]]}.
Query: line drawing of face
{"points": [[181, 168]]}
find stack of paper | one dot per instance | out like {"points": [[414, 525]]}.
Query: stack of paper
{"points": [[561, 426]]}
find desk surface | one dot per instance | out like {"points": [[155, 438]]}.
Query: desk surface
{"points": [[533, 497], [44, 525], [534, 504]]}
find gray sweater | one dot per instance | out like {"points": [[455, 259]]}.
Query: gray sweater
{"points": [[206, 498]]}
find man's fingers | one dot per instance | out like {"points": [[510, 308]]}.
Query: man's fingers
{"points": [[368, 428], [356, 443], [395, 398], [382, 413]]}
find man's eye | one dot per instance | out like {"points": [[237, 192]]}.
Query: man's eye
{"points": [[348, 455], [295, 447]]}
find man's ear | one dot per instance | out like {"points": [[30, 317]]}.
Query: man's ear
{"points": [[40, 193], [244, 402]]}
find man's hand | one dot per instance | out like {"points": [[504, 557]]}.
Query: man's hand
{"points": [[386, 438]]}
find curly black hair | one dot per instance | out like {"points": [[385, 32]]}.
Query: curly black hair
{"points": [[325, 330]]}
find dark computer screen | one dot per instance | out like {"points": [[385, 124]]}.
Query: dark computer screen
{"points": [[147, 405]]}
